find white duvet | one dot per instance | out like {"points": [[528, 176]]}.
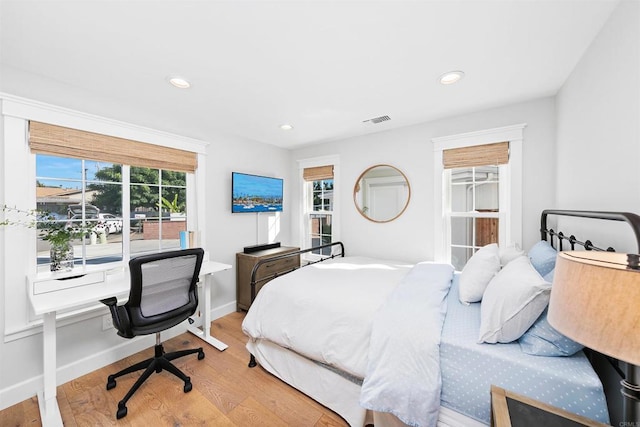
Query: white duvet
{"points": [[377, 320], [403, 377], [325, 311]]}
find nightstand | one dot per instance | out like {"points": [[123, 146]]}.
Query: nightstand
{"points": [[246, 262], [509, 409]]}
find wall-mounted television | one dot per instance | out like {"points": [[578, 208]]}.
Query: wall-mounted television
{"points": [[255, 193]]}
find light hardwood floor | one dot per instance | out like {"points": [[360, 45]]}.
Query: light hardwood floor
{"points": [[225, 392]]}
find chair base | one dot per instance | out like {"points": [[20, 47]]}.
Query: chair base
{"points": [[160, 362]]}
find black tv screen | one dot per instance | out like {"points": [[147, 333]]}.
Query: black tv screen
{"points": [[255, 193]]}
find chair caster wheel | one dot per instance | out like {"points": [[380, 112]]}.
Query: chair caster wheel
{"points": [[187, 387], [122, 411], [111, 382], [200, 355]]}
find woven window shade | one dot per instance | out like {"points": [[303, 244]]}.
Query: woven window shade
{"points": [[477, 155], [318, 173], [65, 142]]}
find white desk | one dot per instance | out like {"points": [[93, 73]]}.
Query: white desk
{"points": [[207, 270], [117, 284]]}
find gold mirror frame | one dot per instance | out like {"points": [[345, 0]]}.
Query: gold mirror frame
{"points": [[357, 197]]}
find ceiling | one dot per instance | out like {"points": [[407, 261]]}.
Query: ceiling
{"points": [[322, 66]]}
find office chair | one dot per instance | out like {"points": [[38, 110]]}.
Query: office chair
{"points": [[163, 294]]}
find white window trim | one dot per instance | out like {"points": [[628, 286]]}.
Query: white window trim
{"points": [[510, 225], [16, 157], [335, 215]]}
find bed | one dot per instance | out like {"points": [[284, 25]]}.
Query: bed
{"points": [[331, 330]]}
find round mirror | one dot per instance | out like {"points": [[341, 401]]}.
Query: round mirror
{"points": [[381, 193]]}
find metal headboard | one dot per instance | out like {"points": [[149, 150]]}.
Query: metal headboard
{"points": [[632, 219], [608, 369]]}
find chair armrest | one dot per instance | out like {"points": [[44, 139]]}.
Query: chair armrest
{"points": [[110, 301], [120, 317]]}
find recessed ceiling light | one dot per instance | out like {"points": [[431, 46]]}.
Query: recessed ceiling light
{"points": [[286, 127], [179, 82], [451, 77]]}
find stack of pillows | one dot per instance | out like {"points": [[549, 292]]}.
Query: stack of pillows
{"points": [[514, 288]]}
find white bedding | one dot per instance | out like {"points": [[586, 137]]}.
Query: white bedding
{"points": [[326, 312], [403, 377], [334, 391], [285, 311]]}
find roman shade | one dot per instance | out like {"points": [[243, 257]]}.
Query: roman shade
{"points": [[66, 142], [476, 155], [318, 173]]}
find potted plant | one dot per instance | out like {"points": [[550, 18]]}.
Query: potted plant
{"points": [[58, 232], [176, 210]]}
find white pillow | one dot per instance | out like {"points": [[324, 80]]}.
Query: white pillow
{"points": [[478, 272], [509, 253], [513, 301]]}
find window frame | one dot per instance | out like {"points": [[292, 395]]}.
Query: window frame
{"points": [[502, 214], [126, 191], [510, 220], [306, 202], [311, 212]]}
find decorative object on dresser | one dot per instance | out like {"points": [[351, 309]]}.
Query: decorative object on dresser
{"points": [[256, 248], [594, 301], [510, 409], [245, 263]]}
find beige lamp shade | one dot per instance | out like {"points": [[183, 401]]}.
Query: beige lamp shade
{"points": [[595, 300]]}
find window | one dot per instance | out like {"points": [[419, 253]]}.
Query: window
{"points": [[78, 191], [158, 209], [480, 176], [318, 204], [320, 214], [474, 213], [128, 199]]}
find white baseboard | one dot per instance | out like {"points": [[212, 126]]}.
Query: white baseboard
{"points": [[223, 310], [28, 388]]}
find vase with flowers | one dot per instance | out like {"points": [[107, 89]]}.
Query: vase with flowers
{"points": [[58, 232]]}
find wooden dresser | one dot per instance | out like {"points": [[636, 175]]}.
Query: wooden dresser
{"points": [[245, 264]]}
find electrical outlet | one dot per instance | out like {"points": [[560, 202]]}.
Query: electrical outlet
{"points": [[107, 322]]}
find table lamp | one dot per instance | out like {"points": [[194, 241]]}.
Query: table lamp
{"points": [[595, 300]]}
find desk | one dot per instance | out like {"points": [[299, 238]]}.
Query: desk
{"points": [[117, 284], [207, 270]]}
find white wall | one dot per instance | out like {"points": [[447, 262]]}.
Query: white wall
{"points": [[599, 122], [410, 237], [229, 233]]}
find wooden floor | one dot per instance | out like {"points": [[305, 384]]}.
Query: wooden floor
{"points": [[225, 392]]}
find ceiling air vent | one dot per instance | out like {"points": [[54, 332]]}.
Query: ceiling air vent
{"points": [[377, 120]]}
